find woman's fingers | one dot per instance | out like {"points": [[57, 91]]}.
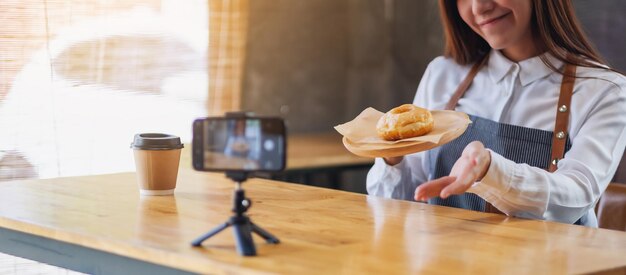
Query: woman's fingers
{"points": [[466, 176], [456, 188], [432, 188], [469, 168]]}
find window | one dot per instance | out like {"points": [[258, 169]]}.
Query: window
{"points": [[80, 78]]}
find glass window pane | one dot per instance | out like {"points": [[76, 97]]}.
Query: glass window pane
{"points": [[80, 78]]}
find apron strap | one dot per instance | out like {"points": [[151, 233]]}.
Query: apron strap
{"points": [[467, 82], [562, 114], [559, 136]]}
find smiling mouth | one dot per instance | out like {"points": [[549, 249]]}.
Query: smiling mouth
{"points": [[492, 20]]}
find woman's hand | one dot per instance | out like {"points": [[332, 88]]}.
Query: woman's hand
{"points": [[469, 168]]}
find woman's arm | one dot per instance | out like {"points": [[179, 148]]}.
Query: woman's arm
{"points": [[565, 195], [399, 176], [581, 177]]}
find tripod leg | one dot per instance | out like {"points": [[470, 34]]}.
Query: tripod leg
{"points": [[243, 237], [269, 238], [218, 229]]}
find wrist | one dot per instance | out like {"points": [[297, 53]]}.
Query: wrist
{"points": [[393, 160]]}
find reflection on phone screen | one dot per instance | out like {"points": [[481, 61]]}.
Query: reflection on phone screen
{"points": [[247, 144]]}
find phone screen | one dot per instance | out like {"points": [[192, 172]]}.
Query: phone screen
{"points": [[239, 144]]}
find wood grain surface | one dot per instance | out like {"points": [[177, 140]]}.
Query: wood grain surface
{"points": [[322, 231]]}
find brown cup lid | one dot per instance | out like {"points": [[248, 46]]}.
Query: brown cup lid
{"points": [[156, 141]]}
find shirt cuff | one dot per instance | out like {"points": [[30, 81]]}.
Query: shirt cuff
{"points": [[496, 182]]}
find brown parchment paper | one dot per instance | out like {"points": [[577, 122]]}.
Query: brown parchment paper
{"points": [[360, 135]]}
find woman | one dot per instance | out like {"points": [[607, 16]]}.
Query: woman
{"points": [[549, 120]]}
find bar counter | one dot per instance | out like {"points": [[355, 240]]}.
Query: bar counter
{"points": [[101, 225]]}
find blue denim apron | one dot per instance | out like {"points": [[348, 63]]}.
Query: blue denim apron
{"points": [[519, 144]]}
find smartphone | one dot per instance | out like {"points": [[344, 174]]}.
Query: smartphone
{"points": [[239, 144]]}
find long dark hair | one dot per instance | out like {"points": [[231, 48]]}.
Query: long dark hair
{"points": [[554, 23]]}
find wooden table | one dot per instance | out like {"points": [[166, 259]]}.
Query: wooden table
{"points": [[100, 224]]}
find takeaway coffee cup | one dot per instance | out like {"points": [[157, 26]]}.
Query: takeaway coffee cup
{"points": [[156, 160]]}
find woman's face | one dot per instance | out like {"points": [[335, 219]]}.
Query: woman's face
{"points": [[502, 23]]}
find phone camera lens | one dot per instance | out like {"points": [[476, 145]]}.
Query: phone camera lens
{"points": [[269, 145]]}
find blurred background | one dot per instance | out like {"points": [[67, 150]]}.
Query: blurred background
{"points": [[79, 78]]}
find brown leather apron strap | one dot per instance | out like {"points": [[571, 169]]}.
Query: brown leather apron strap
{"points": [[467, 82], [559, 137]]}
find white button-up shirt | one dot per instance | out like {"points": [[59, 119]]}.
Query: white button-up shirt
{"points": [[526, 94]]}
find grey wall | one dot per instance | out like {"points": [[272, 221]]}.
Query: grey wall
{"points": [[604, 22], [391, 44], [297, 60], [320, 62]]}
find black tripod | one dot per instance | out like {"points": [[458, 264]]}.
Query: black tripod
{"points": [[240, 222]]}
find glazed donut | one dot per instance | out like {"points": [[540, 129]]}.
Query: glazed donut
{"points": [[404, 121]]}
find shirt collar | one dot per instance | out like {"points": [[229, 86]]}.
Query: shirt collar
{"points": [[531, 69], [498, 66]]}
